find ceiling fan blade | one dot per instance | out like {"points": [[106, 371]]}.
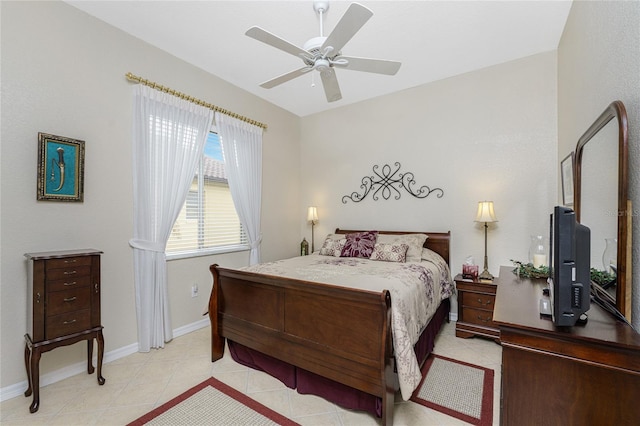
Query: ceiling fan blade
{"points": [[285, 77], [330, 84], [277, 42], [378, 66], [352, 20]]}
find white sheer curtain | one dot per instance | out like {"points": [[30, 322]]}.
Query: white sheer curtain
{"points": [[169, 134], [242, 150]]}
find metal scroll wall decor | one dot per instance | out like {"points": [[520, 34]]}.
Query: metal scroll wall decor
{"points": [[387, 182]]}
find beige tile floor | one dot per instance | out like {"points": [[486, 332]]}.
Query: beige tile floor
{"points": [[139, 382]]}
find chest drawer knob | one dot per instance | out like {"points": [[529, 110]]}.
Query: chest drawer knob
{"points": [[70, 272], [70, 321], [70, 299]]}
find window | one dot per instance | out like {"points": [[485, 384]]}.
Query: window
{"points": [[208, 222], [192, 204]]}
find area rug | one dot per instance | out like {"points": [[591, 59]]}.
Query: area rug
{"points": [[457, 389], [212, 403]]}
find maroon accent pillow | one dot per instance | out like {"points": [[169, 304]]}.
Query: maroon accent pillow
{"points": [[359, 244]]}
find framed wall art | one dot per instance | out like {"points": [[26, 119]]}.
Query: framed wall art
{"points": [[566, 169], [60, 168]]}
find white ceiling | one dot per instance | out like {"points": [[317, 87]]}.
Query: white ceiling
{"points": [[432, 39]]}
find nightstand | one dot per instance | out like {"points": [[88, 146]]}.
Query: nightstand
{"points": [[476, 300]]}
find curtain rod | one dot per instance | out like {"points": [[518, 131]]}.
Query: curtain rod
{"points": [[181, 95]]}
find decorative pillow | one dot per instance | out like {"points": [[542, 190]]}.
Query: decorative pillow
{"points": [[359, 244], [332, 247], [390, 252], [414, 241]]}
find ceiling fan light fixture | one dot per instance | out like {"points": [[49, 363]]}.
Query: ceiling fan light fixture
{"points": [[322, 65]]}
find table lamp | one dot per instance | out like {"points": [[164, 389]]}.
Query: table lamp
{"points": [[312, 216], [485, 214]]}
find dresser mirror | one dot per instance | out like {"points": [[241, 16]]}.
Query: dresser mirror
{"points": [[602, 204]]}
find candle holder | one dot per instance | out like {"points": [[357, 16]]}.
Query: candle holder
{"points": [[538, 251]]}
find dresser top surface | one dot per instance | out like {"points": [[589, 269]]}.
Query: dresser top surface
{"points": [[61, 254], [517, 306]]}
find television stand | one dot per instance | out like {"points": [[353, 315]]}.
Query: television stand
{"points": [[586, 374]]}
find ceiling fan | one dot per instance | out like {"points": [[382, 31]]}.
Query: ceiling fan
{"points": [[323, 53]]}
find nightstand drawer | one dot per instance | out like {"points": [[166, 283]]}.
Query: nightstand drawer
{"points": [[478, 300], [479, 317], [72, 322], [71, 300]]}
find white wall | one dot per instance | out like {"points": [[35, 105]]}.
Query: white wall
{"points": [[599, 62], [63, 73], [485, 135]]}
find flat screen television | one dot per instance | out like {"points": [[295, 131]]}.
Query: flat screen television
{"points": [[569, 267]]}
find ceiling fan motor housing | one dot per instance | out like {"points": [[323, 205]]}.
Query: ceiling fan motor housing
{"points": [[313, 46]]}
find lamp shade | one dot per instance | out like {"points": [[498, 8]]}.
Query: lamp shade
{"points": [[312, 215], [485, 212]]}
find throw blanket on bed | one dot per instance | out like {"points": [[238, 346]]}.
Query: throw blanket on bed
{"points": [[416, 289]]}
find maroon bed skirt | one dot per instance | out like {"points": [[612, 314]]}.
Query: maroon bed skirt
{"points": [[306, 382]]}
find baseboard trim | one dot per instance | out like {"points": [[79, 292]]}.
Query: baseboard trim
{"points": [[18, 389]]}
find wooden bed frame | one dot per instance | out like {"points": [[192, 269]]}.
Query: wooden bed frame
{"points": [[303, 323]]}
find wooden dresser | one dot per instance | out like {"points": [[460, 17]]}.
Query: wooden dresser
{"points": [[583, 375], [476, 300], [63, 308]]}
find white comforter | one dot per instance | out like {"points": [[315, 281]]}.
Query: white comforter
{"points": [[416, 289]]}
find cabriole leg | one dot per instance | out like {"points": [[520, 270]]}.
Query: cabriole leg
{"points": [[90, 368], [100, 339], [35, 379], [27, 364]]}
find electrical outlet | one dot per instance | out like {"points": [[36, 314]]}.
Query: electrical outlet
{"points": [[194, 290]]}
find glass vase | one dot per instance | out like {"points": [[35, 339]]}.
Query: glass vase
{"points": [[538, 251], [610, 256]]}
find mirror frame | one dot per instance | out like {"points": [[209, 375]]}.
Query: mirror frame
{"points": [[623, 286]]}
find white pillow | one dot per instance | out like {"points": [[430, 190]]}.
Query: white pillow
{"points": [[390, 252], [332, 247], [414, 241]]}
